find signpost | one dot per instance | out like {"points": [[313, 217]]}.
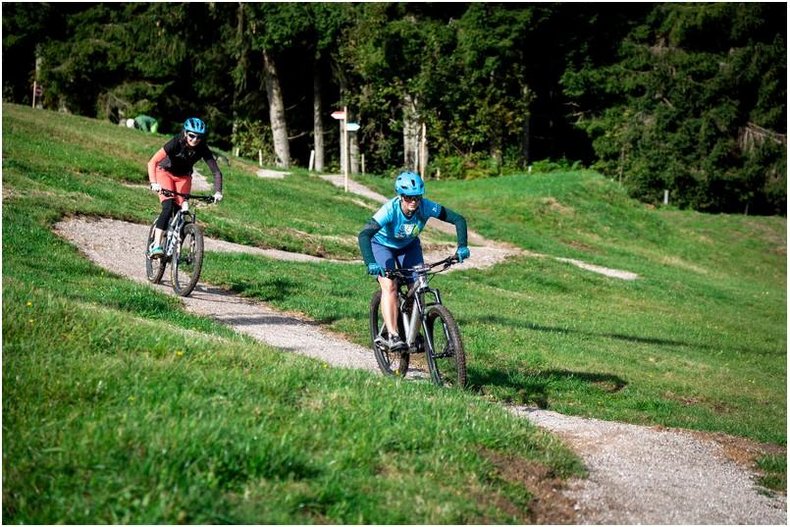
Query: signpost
{"points": [[37, 92], [340, 115], [345, 127]]}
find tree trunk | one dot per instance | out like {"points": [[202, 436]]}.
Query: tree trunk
{"points": [[241, 66], [276, 111], [318, 126], [411, 133], [525, 154], [353, 149], [423, 165]]}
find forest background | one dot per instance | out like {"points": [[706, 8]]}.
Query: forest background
{"points": [[685, 98]]}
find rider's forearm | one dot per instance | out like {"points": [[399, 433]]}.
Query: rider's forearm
{"points": [[460, 224], [212, 164], [155, 160], [364, 238]]}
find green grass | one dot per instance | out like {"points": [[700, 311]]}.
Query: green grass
{"points": [[118, 406], [111, 417]]}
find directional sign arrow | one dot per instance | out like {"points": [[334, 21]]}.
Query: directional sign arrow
{"points": [[352, 127], [339, 114]]}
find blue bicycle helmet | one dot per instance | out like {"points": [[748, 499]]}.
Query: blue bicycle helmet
{"points": [[195, 125], [409, 184]]}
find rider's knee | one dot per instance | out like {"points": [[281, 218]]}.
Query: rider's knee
{"points": [[387, 286], [164, 216]]}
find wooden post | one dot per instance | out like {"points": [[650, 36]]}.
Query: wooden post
{"points": [[312, 161], [423, 151], [342, 145], [344, 124], [36, 93]]}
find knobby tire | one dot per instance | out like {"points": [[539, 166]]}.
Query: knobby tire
{"points": [[447, 363], [187, 260], [396, 363]]}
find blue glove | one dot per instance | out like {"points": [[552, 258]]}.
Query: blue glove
{"points": [[375, 269], [462, 254]]}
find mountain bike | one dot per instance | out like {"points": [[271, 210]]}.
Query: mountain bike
{"points": [[183, 247], [425, 325]]}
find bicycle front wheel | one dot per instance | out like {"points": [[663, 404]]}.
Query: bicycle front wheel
{"points": [[154, 267], [444, 349], [187, 260], [390, 363]]}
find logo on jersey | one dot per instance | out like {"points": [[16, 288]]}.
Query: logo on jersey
{"points": [[408, 230]]}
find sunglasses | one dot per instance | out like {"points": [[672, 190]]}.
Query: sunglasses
{"points": [[412, 199], [193, 136]]}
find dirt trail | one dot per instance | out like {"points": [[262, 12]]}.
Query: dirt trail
{"points": [[484, 251], [637, 474]]}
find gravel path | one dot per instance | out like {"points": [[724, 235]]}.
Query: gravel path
{"points": [[645, 475], [638, 474]]}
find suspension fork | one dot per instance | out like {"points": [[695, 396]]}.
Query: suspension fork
{"points": [[181, 218], [418, 314], [173, 230]]}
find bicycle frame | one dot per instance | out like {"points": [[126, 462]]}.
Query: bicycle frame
{"points": [[182, 223], [174, 229], [416, 319], [416, 297], [181, 217], [420, 315]]}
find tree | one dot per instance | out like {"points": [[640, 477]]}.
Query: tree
{"points": [[275, 28], [26, 28], [328, 22], [490, 103], [685, 97], [673, 111]]}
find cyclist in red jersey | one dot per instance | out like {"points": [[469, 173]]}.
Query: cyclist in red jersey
{"points": [[171, 168]]}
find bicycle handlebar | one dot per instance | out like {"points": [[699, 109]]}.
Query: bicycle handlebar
{"points": [[421, 269], [207, 199]]}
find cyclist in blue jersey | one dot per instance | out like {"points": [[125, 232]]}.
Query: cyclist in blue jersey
{"points": [[393, 234]]}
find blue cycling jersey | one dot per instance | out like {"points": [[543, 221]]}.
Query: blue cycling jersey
{"points": [[398, 230]]}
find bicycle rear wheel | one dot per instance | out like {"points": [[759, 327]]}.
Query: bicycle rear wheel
{"points": [[154, 267], [390, 363], [187, 260], [447, 362]]}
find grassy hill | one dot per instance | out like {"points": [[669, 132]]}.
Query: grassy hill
{"points": [[120, 407]]}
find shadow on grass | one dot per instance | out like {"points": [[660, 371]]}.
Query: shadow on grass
{"points": [[534, 387], [269, 290], [569, 331]]}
